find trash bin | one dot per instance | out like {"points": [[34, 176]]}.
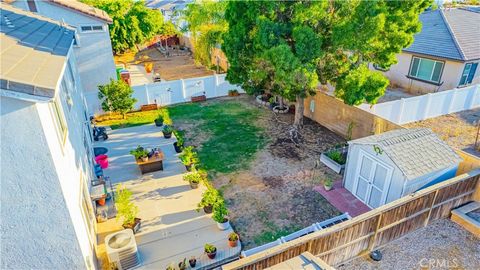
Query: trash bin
{"points": [[102, 160]]}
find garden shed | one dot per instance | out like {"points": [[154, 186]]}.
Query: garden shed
{"points": [[385, 167]]}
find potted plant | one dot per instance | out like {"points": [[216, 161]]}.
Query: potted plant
{"points": [[178, 145], [159, 121], [335, 159], [233, 239], [328, 183], [126, 210], [220, 213], [183, 264], [140, 153], [167, 131], [171, 266], [189, 157], [209, 198], [192, 262], [193, 179], [211, 251]]}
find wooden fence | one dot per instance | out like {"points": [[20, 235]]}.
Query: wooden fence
{"points": [[349, 121], [367, 232]]}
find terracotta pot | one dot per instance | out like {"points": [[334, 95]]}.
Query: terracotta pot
{"points": [[194, 185], [232, 243], [102, 201]]}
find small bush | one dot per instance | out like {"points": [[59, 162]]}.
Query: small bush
{"points": [[189, 156], [193, 177]]}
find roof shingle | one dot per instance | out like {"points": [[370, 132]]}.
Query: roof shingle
{"points": [[416, 151]]}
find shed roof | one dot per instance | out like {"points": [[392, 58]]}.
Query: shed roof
{"points": [[33, 51], [449, 33], [416, 151]]}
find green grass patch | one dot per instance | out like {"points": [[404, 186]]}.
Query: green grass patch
{"points": [[234, 138], [116, 121]]}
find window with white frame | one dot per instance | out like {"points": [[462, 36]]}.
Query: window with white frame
{"points": [[468, 74], [91, 28], [426, 69]]}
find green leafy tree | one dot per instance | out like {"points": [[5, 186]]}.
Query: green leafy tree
{"points": [[133, 23], [206, 23], [117, 97], [287, 47]]}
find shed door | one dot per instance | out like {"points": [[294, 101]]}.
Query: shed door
{"points": [[373, 179]]}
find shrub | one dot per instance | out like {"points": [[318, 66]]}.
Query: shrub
{"points": [[189, 156], [125, 207], [220, 211], [209, 248], [116, 96], [209, 198], [139, 152], [328, 182], [233, 237], [336, 156], [193, 177], [179, 135], [167, 129]]}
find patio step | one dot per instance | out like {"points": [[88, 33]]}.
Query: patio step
{"points": [[192, 225], [160, 253]]}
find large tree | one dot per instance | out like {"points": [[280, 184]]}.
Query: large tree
{"points": [[206, 24], [116, 96], [288, 46], [133, 23]]}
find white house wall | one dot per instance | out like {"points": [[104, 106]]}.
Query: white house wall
{"points": [[450, 76], [72, 161], [94, 53], [37, 231]]}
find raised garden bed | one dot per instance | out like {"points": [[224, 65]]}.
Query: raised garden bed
{"points": [[199, 98], [148, 107], [335, 159]]}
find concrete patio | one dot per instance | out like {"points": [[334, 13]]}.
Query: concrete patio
{"points": [[171, 227]]}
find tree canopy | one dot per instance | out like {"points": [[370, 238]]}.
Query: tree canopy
{"points": [[206, 23], [133, 23], [116, 96], [287, 47]]}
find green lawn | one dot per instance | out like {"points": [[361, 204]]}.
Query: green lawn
{"points": [[232, 136], [133, 119]]}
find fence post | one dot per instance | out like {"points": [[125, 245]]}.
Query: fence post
{"points": [[216, 85], [400, 111], [184, 94], [452, 100], [371, 244], [427, 106], [146, 93], [475, 93]]}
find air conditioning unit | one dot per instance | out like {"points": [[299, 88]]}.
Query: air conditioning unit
{"points": [[122, 249]]}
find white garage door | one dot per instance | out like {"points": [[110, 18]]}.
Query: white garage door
{"points": [[372, 180]]}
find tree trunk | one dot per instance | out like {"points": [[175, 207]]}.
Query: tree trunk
{"points": [[298, 122], [281, 102]]}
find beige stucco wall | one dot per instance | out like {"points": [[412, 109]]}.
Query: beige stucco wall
{"points": [[450, 76]]}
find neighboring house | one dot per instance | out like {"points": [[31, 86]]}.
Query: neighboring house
{"points": [[170, 9], [385, 167], [444, 55], [46, 159], [93, 49]]}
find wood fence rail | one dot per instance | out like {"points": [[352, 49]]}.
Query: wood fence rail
{"points": [[374, 229]]}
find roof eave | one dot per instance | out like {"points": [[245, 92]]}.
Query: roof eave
{"points": [[437, 56]]}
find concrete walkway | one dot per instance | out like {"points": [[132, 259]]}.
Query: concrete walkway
{"points": [[171, 227]]}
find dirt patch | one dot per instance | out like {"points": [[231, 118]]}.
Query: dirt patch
{"points": [[275, 195], [176, 66], [458, 130]]}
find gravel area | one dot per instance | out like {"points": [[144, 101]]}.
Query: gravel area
{"points": [[441, 245], [459, 130]]}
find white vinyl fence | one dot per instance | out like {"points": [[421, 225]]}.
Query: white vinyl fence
{"points": [[407, 110], [179, 91]]}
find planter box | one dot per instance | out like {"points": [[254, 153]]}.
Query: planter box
{"points": [[199, 98], [336, 167]]}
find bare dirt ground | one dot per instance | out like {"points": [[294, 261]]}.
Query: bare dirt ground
{"points": [[441, 245], [275, 196], [178, 65], [459, 130]]}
